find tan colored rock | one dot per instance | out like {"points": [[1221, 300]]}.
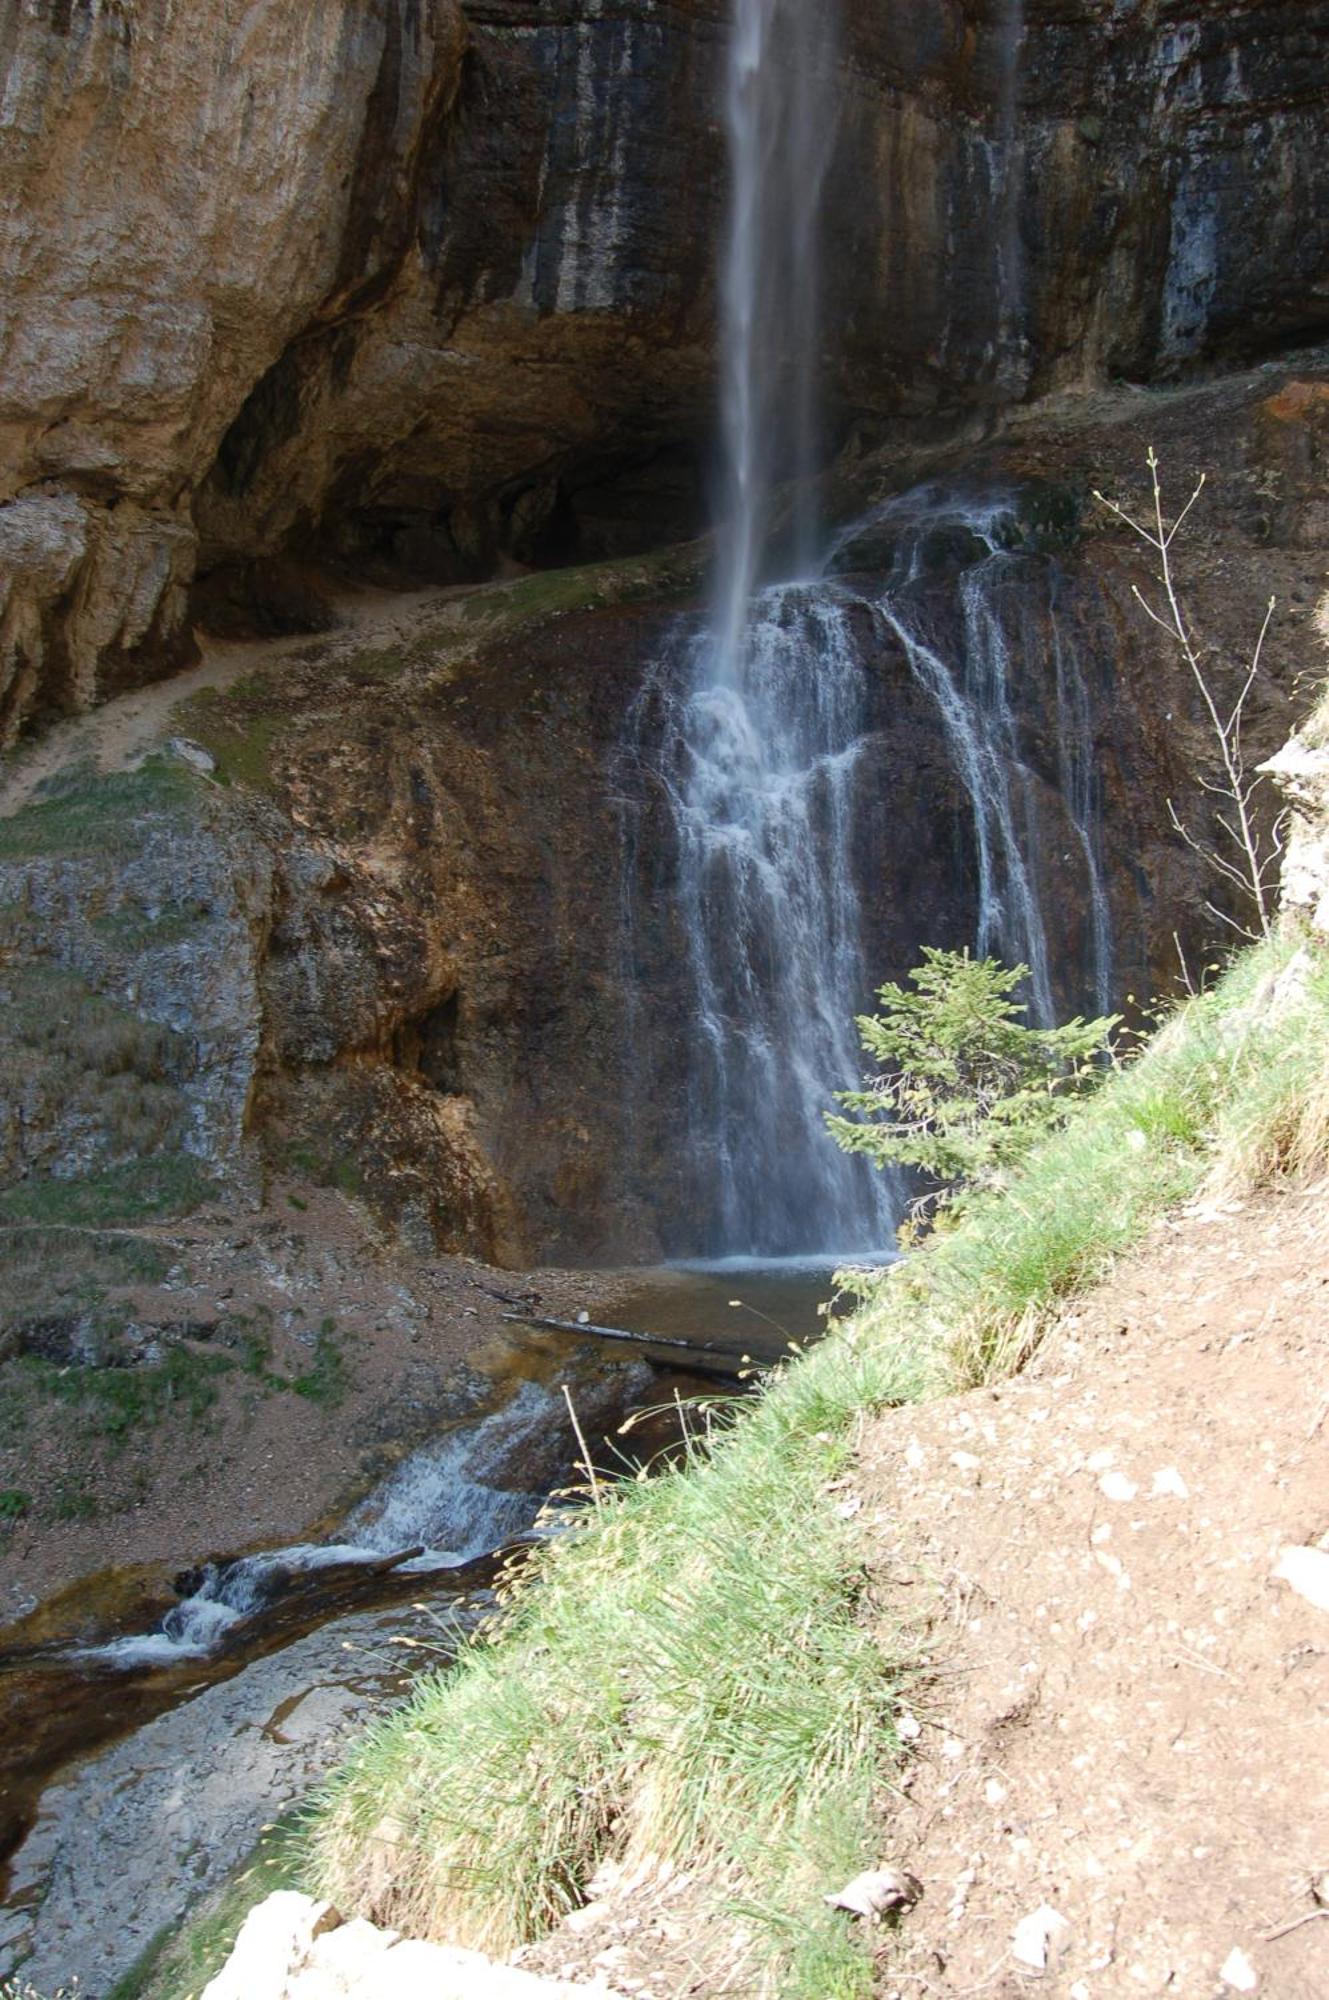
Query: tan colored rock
{"points": [[276, 1935], [293, 1948], [177, 185], [1301, 771]]}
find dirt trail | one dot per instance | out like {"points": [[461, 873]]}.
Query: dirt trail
{"points": [[1128, 1715], [115, 735]]}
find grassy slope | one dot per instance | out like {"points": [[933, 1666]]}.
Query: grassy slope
{"points": [[693, 1676]]}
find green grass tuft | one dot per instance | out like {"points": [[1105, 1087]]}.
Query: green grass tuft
{"points": [[167, 1184], [327, 1378], [86, 813], [119, 1402]]}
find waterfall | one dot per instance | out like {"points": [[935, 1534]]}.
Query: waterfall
{"points": [[755, 729], [763, 711]]}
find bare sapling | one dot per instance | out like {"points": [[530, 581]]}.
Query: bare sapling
{"points": [[1246, 856]]}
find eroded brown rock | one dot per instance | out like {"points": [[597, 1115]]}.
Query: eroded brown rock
{"points": [[417, 286]]}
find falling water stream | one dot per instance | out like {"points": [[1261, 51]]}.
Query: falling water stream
{"points": [[755, 728], [763, 710]]}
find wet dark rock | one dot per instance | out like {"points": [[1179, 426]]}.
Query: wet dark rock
{"points": [[423, 1400]]}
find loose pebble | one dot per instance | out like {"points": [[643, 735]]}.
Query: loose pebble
{"points": [[1238, 1972], [1039, 1938], [1307, 1571]]}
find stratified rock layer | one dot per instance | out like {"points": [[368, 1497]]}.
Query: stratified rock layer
{"points": [[416, 286]]}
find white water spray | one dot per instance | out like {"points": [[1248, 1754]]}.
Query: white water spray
{"points": [[760, 744]]}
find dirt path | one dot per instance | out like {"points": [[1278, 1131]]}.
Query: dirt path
{"points": [[115, 735], [1128, 1715]]}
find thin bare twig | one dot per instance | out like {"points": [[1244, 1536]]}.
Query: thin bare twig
{"points": [[1311, 1917], [1251, 872], [587, 1463]]}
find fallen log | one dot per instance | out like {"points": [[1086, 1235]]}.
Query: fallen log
{"points": [[702, 1357]]}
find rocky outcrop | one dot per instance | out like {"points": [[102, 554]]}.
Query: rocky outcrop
{"points": [[185, 195], [292, 1948], [1301, 772], [414, 287], [133, 911]]}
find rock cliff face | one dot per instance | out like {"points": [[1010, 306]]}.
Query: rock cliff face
{"points": [[381, 945], [413, 287]]}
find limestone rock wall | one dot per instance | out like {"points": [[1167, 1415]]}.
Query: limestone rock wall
{"points": [[413, 287], [185, 190]]}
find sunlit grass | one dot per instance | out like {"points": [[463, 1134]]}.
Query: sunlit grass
{"points": [[692, 1674], [1232, 1088]]}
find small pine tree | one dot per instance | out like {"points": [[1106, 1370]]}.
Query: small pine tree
{"points": [[964, 1088]]}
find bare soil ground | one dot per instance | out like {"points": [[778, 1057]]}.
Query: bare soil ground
{"points": [[1127, 1717], [120, 732]]}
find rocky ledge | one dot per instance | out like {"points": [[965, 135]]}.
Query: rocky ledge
{"points": [[293, 1948]]}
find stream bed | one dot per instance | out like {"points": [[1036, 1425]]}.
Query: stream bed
{"points": [[140, 1760]]}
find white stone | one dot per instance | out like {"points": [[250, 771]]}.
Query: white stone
{"points": [[1307, 1571], [193, 754], [876, 1892], [1239, 1973], [292, 1948], [276, 1935], [1116, 1486], [1039, 1938], [1169, 1484]]}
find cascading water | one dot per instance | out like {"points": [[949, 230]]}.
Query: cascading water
{"points": [[1007, 609], [763, 711], [455, 1499], [761, 771], [774, 803], [756, 729]]}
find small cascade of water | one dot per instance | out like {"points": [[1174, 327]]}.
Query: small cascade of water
{"points": [[457, 1498], [971, 672], [1077, 778]]}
